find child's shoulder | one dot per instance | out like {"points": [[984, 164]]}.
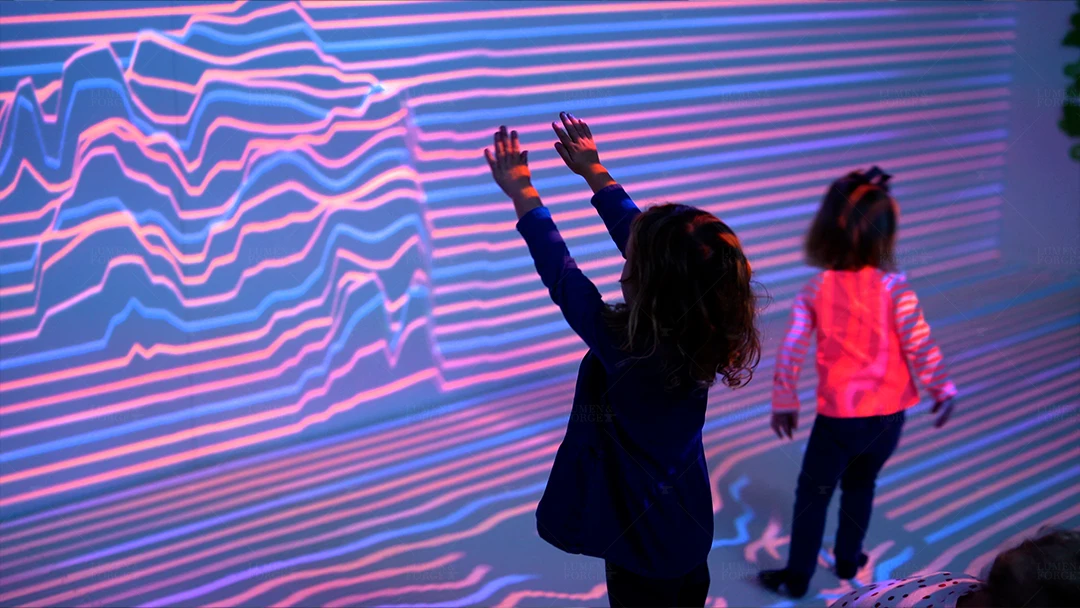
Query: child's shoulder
{"points": [[891, 280], [895, 279]]}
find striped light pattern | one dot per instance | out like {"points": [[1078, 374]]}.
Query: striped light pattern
{"points": [[267, 333]]}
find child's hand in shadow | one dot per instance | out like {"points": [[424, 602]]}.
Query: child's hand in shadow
{"points": [[576, 145], [785, 423], [944, 409], [510, 168]]}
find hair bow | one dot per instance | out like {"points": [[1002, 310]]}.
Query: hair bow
{"points": [[877, 177], [874, 179]]}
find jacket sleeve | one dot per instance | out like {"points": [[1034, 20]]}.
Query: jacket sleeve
{"points": [[574, 294], [618, 211], [922, 353], [792, 353]]}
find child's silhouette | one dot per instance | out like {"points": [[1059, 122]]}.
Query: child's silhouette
{"points": [[632, 487], [870, 329]]}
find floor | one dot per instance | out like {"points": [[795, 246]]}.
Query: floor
{"points": [[437, 509]]}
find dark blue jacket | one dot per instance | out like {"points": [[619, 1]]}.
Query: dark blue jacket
{"points": [[630, 482]]}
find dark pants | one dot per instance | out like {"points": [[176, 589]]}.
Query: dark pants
{"points": [[851, 452], [628, 589]]}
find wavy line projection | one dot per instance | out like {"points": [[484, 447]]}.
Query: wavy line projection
{"points": [[268, 334]]}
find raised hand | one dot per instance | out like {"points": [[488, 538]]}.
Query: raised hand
{"points": [[510, 168], [576, 145], [946, 409], [785, 423], [578, 150]]}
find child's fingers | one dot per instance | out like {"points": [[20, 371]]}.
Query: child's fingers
{"points": [[490, 159], [570, 128], [584, 128], [940, 422], [500, 151], [580, 126], [563, 137], [515, 145], [525, 157], [507, 152], [563, 152], [504, 138]]}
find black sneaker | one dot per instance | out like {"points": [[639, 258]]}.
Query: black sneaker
{"points": [[794, 585], [846, 569]]}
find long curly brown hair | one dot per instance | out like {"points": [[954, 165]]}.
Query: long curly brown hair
{"points": [[692, 300]]}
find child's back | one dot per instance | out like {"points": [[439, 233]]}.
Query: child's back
{"points": [[870, 335], [869, 327], [630, 482]]}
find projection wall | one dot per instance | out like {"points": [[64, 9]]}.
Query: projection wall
{"points": [[226, 227]]}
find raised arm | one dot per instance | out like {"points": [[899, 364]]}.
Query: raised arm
{"points": [[578, 150], [570, 289]]}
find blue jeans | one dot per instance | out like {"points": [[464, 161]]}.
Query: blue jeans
{"points": [[849, 452]]}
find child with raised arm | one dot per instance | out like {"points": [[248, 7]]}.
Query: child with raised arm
{"points": [[871, 336], [630, 483]]}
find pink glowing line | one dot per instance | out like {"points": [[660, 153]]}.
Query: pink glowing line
{"points": [[381, 345], [333, 324], [329, 65], [127, 37], [763, 445], [248, 596], [127, 13], [1001, 417], [816, 176], [175, 205], [390, 305], [941, 562], [474, 578], [667, 113], [446, 329], [511, 601], [981, 562], [330, 515], [322, 211], [493, 358], [256, 147], [273, 474], [173, 254], [1010, 399], [714, 192], [429, 374], [745, 434], [604, 65], [963, 261], [374, 22], [550, 439], [447, 309], [966, 498], [736, 139], [252, 77], [908, 489], [332, 505], [715, 73], [486, 525]]}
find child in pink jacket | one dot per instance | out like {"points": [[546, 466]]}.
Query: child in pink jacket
{"points": [[872, 340]]}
